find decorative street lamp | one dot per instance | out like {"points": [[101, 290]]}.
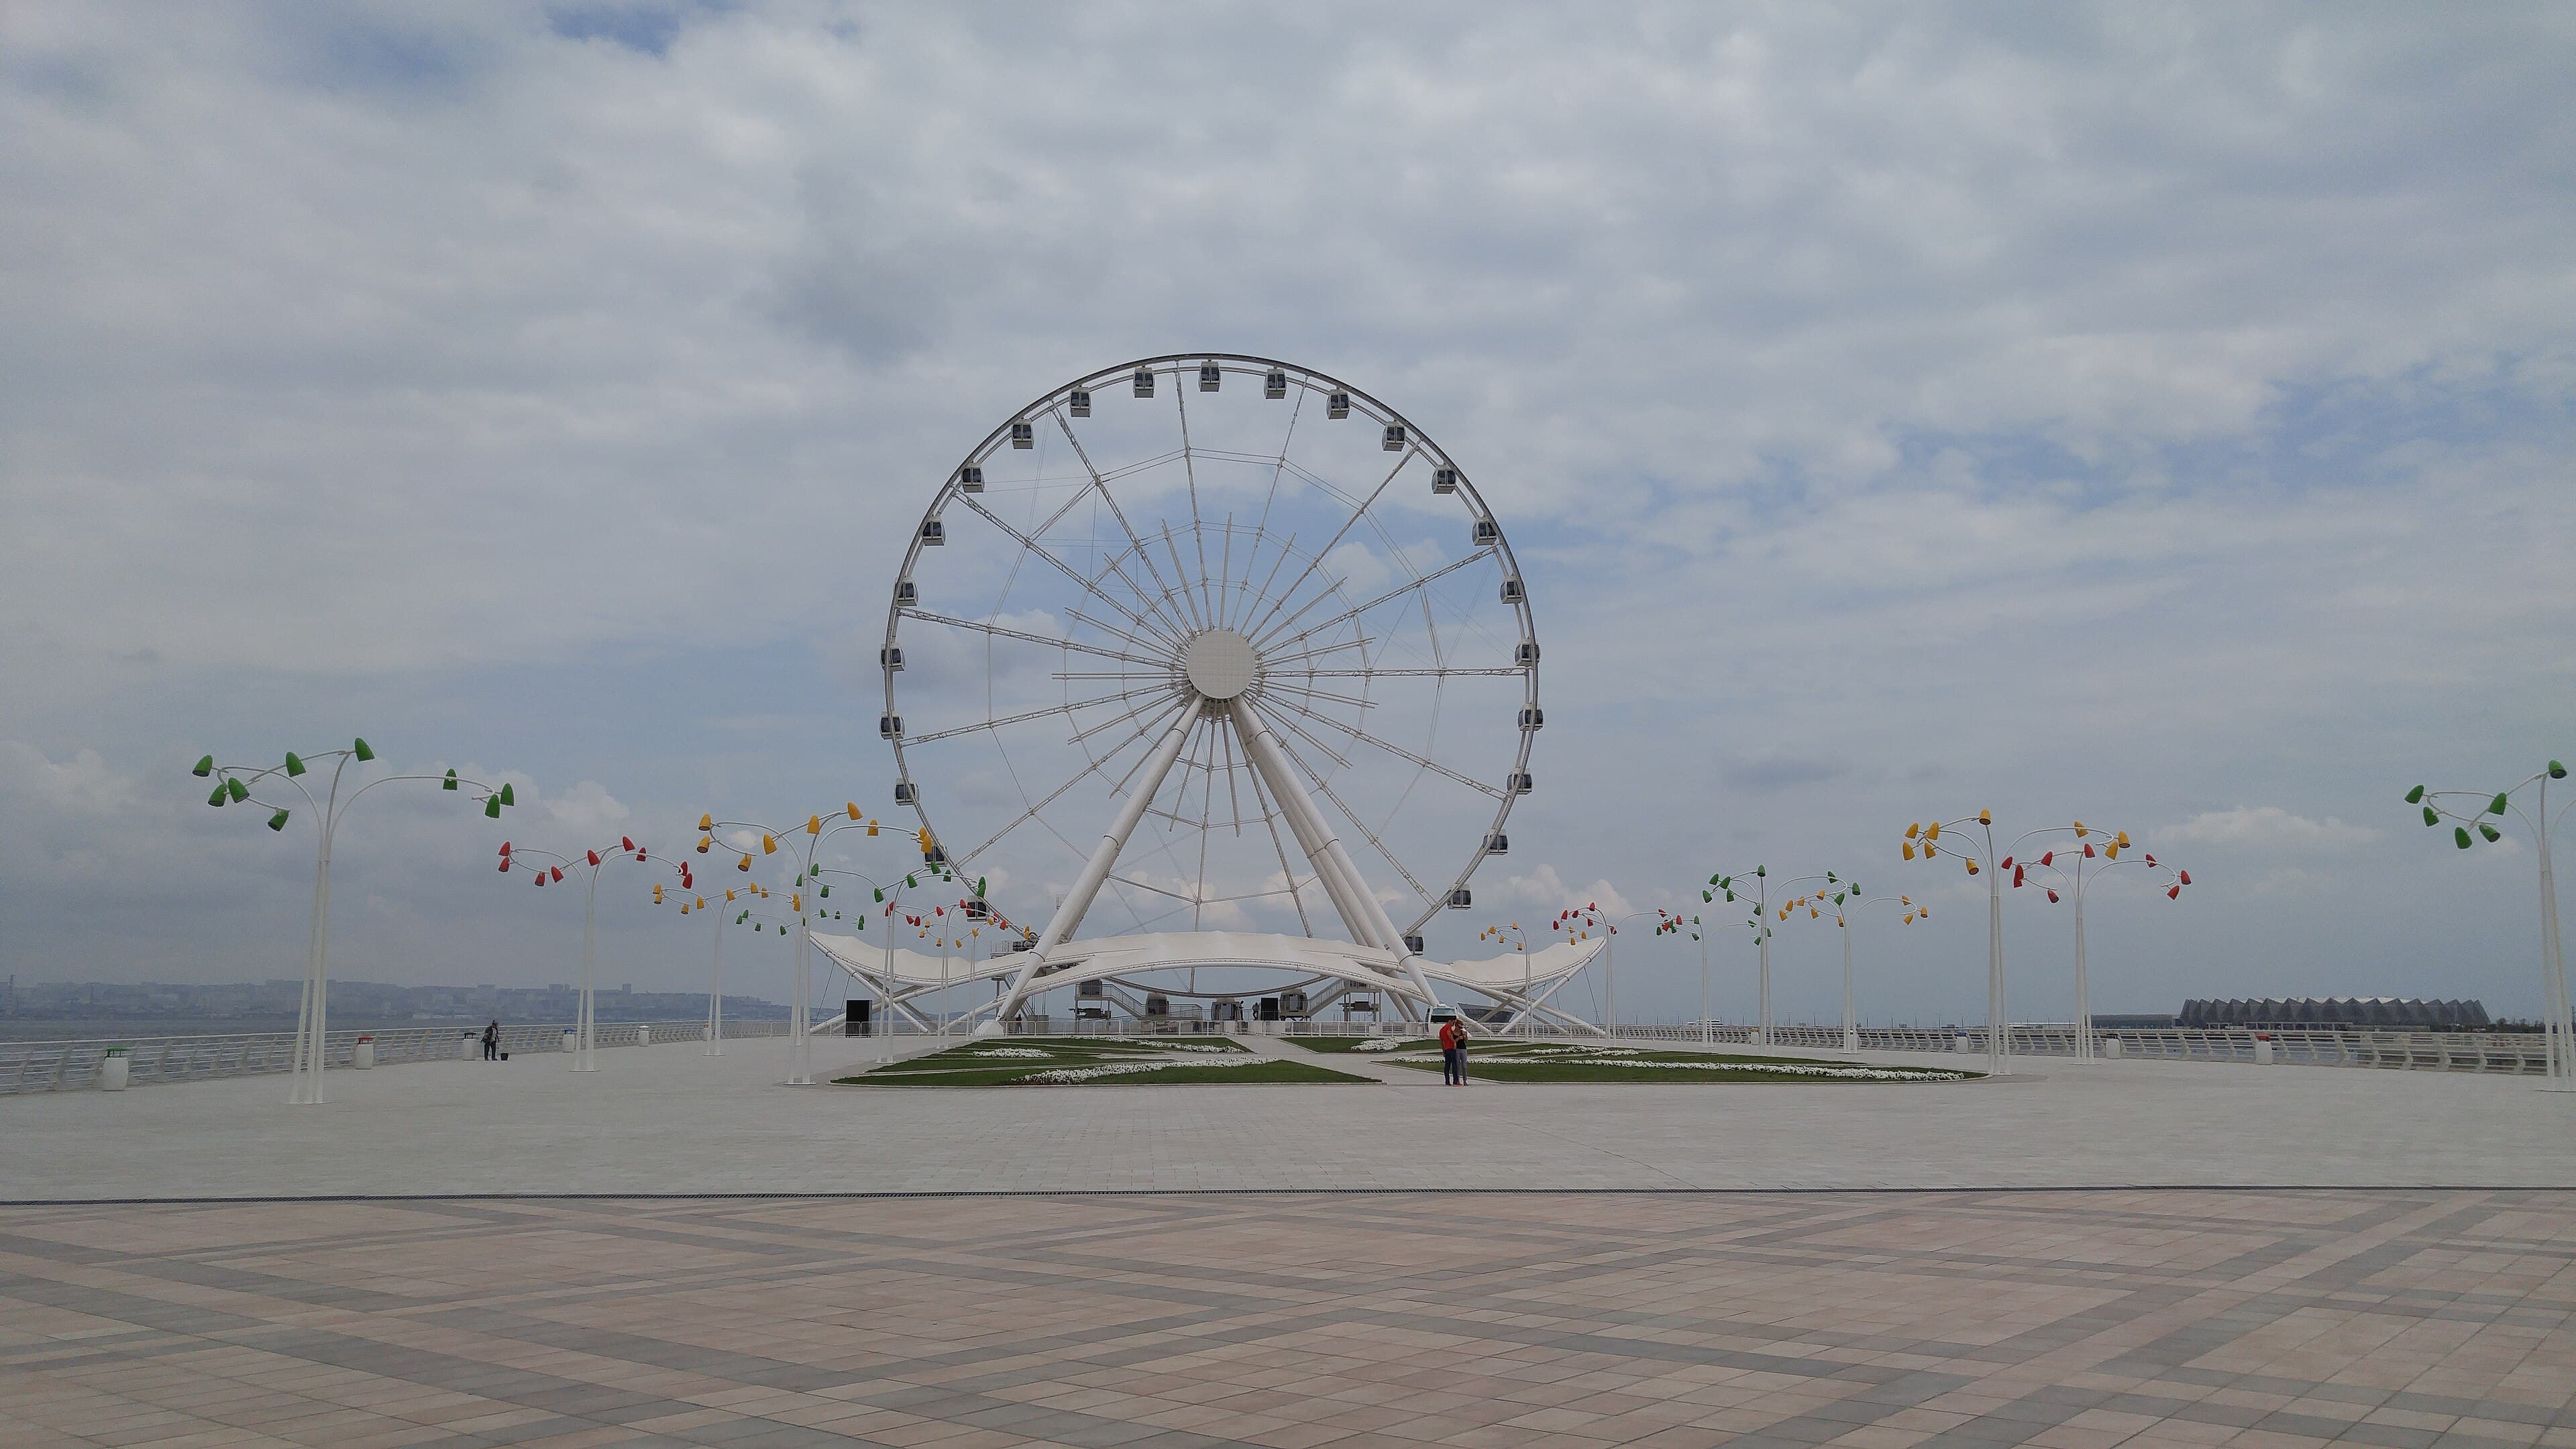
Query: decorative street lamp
{"points": [[715, 982], [1840, 899], [583, 1059], [234, 785], [1978, 853], [800, 1053], [2557, 1031], [1579, 923], [2075, 867], [1760, 925]]}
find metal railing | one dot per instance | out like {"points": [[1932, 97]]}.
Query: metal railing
{"points": [[2513, 1054], [56, 1066]]}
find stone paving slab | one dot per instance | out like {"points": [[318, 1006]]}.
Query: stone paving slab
{"points": [[668, 1119], [2076, 1320]]}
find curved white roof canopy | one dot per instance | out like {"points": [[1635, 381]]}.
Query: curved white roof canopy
{"points": [[1106, 956]]}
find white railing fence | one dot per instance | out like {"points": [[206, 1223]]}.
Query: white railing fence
{"points": [[2513, 1054], [55, 1066]]}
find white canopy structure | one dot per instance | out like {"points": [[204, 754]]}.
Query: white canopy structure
{"points": [[1521, 983]]}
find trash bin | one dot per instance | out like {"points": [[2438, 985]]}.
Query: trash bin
{"points": [[572, 1040], [467, 1048], [1959, 1044], [363, 1057], [114, 1070], [644, 1034], [2111, 1047], [2262, 1051]]}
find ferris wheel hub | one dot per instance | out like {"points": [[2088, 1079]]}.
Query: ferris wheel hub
{"points": [[1220, 663]]}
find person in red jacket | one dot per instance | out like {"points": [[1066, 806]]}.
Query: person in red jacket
{"points": [[1453, 1054]]}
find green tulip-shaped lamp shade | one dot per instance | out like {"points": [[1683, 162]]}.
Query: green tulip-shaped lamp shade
{"points": [[360, 750], [205, 766]]}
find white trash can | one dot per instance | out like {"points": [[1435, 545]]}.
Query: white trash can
{"points": [[1959, 1044], [114, 1070], [2262, 1051], [2111, 1048], [644, 1034], [468, 1048], [363, 1056], [572, 1040]]}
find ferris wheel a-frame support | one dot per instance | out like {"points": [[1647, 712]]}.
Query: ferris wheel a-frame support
{"points": [[1361, 912]]}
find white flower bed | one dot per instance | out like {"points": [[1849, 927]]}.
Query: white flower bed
{"points": [[1379, 1044], [1181, 1046], [1066, 1076], [1856, 1074], [1036, 1052]]}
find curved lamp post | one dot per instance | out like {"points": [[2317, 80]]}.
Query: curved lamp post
{"points": [[1840, 899], [583, 1057], [1758, 892], [1974, 845], [800, 1051], [715, 983], [2558, 1031], [2075, 867], [1578, 923], [236, 784]]}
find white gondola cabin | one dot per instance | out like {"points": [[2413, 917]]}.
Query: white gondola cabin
{"points": [[1275, 385], [1337, 405], [1498, 844], [970, 479], [1527, 654], [905, 793], [1210, 377], [1444, 480], [905, 595], [1462, 899], [1144, 382], [933, 533], [889, 726], [890, 659], [1024, 435], [1488, 533], [1521, 783], [1079, 402], [1514, 592], [1393, 441], [1532, 719]]}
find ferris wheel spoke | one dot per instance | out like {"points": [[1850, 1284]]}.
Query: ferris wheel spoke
{"points": [[1275, 683], [997, 630], [1190, 475], [1100, 485], [1286, 547], [1326, 551], [1169, 695], [1032, 812], [1068, 570], [1181, 571], [1287, 719], [1125, 636], [1020, 718], [1450, 672], [1276, 663], [1233, 796], [1324, 787], [1401, 753], [1400, 590]]}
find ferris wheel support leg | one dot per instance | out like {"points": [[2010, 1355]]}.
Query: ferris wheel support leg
{"points": [[1374, 921], [1104, 856]]}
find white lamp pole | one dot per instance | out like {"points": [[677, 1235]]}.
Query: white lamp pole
{"points": [[234, 785], [2558, 1030]]}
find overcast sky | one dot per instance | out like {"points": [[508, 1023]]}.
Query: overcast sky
{"points": [[2155, 415]]}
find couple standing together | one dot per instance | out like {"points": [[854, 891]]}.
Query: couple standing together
{"points": [[1453, 1053]]}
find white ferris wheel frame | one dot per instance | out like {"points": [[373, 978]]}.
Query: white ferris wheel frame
{"points": [[1216, 676]]}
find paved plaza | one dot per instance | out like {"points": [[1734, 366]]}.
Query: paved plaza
{"points": [[668, 1119], [2402, 1319]]}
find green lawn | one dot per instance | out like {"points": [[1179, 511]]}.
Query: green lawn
{"points": [[1105, 1061], [1554, 1062]]}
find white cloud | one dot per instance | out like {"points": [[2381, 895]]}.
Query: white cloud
{"points": [[2268, 827], [586, 814], [1545, 888]]}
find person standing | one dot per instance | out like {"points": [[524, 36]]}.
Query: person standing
{"points": [[492, 1041], [1453, 1067]]}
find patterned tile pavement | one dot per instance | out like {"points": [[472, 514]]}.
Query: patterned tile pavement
{"points": [[2407, 1319]]}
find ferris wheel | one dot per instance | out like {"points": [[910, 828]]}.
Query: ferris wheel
{"points": [[1246, 617]]}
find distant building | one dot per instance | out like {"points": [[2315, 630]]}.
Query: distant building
{"points": [[2397, 1013]]}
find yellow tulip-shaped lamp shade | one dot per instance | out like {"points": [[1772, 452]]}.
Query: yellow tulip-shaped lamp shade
{"points": [[813, 824], [1985, 817], [769, 845], [744, 864]]}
